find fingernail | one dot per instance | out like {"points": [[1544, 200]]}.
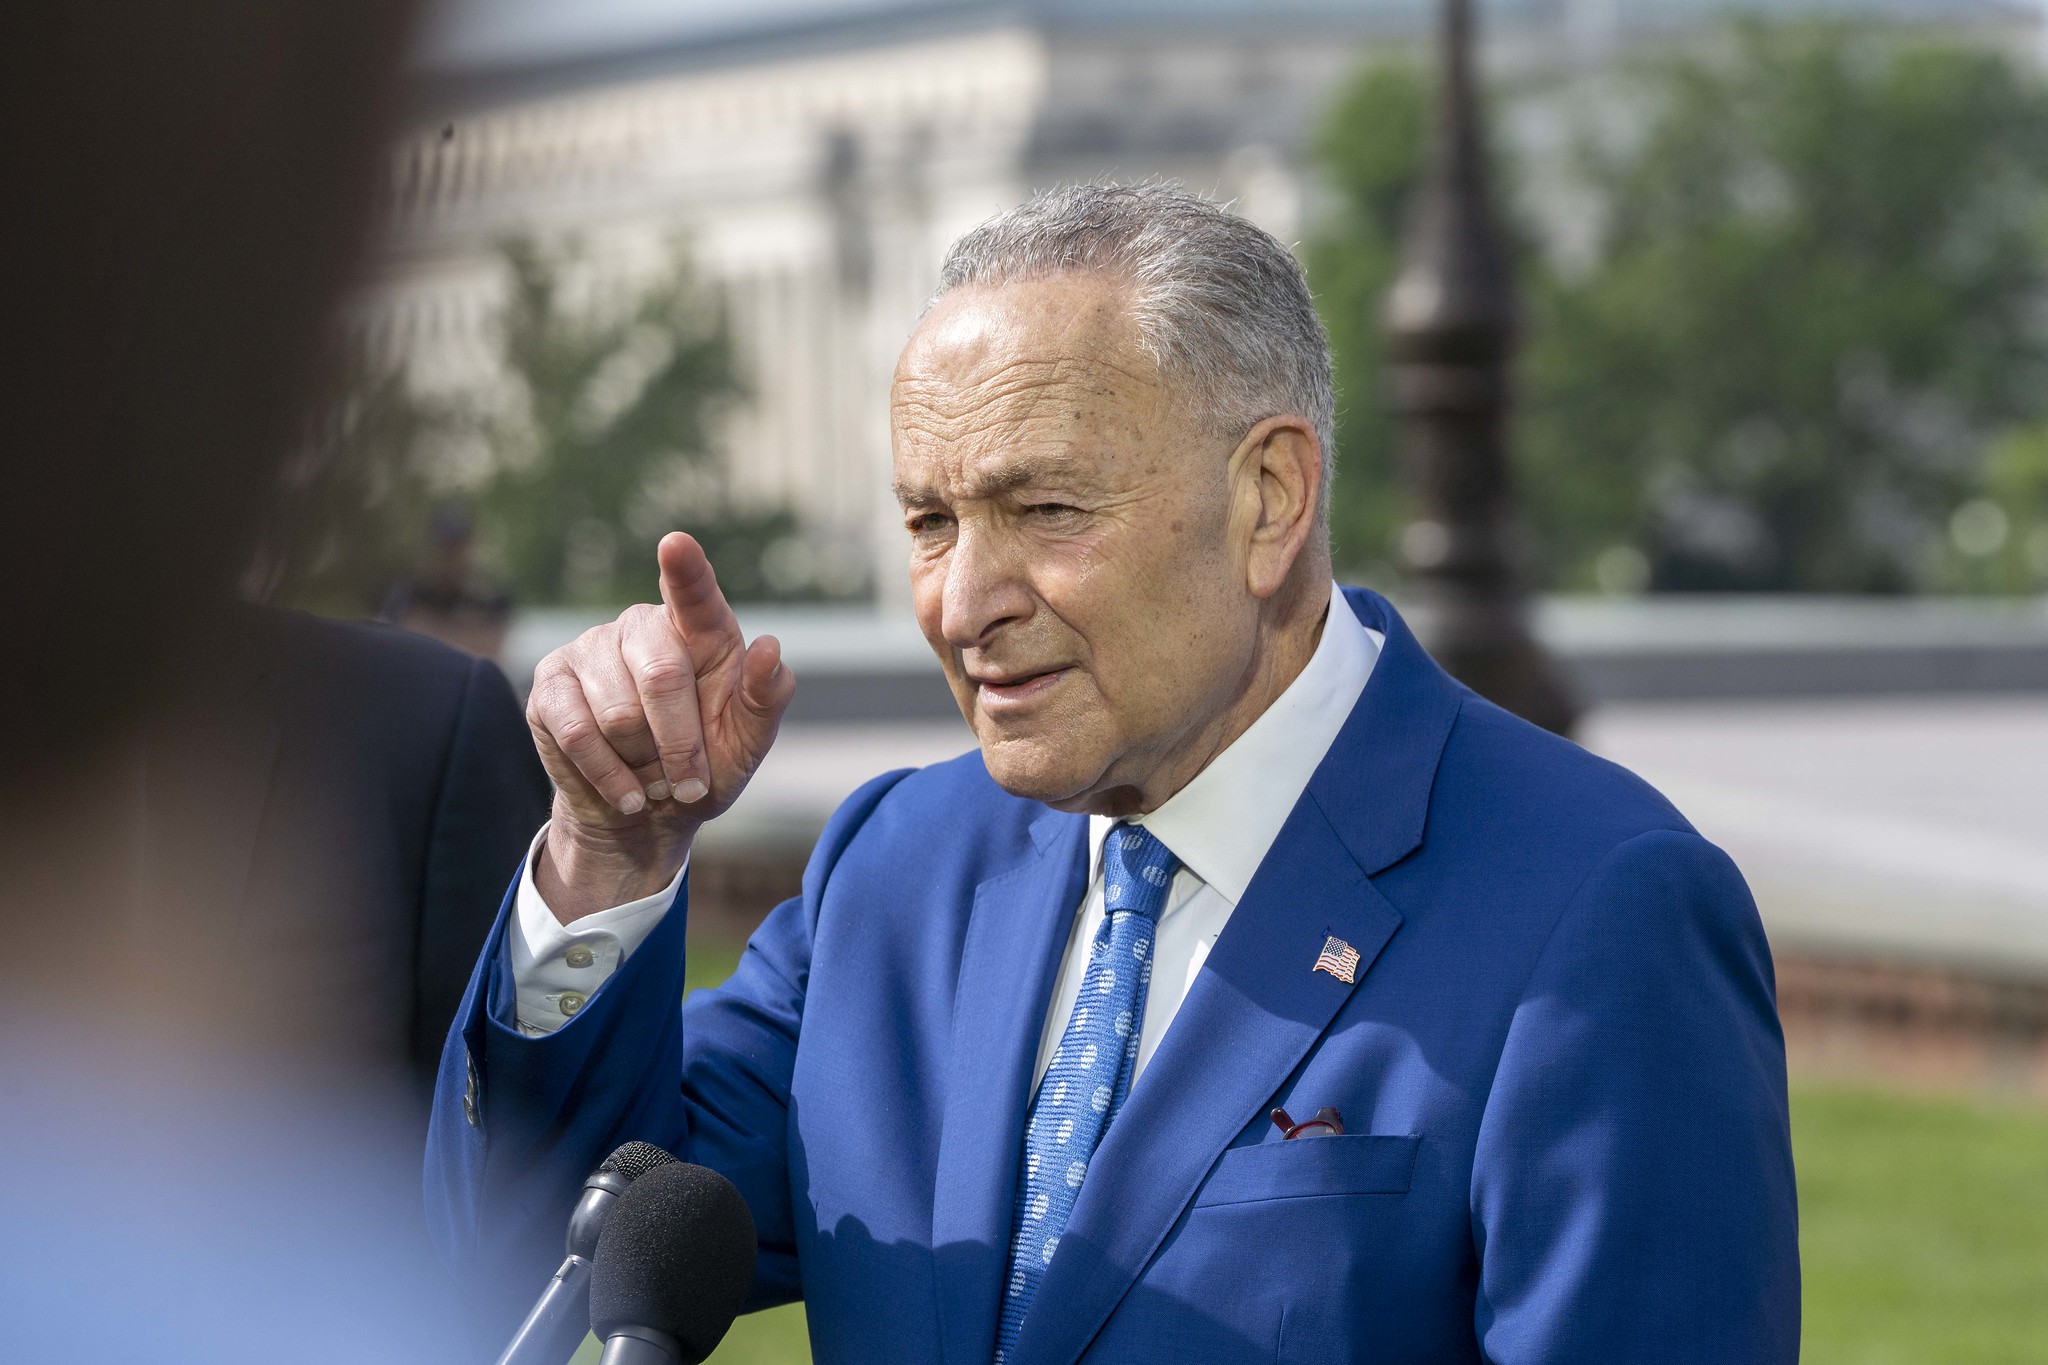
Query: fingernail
{"points": [[690, 789], [657, 790], [632, 803]]}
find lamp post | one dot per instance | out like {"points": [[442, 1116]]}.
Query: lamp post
{"points": [[1451, 324]]}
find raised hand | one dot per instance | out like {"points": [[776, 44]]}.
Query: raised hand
{"points": [[650, 725]]}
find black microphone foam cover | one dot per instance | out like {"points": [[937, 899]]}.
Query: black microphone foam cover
{"points": [[635, 1159], [677, 1255]]}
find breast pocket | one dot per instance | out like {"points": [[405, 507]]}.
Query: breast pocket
{"points": [[1354, 1163]]}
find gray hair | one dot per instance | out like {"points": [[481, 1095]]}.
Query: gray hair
{"points": [[1221, 306]]}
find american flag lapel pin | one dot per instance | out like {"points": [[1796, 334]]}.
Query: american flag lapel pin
{"points": [[1339, 959]]}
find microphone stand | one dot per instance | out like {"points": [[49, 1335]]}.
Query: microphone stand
{"points": [[559, 1321], [561, 1316], [636, 1345]]}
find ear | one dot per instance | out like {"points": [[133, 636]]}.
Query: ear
{"points": [[1276, 477]]}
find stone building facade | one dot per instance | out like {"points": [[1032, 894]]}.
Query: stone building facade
{"points": [[817, 168]]}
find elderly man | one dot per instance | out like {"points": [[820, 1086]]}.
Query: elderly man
{"points": [[1032, 1071]]}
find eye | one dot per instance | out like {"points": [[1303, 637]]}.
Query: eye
{"points": [[927, 523], [1053, 511]]}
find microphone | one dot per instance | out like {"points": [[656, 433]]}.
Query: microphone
{"points": [[673, 1267], [559, 1320]]}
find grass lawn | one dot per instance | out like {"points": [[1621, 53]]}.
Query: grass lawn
{"points": [[1923, 1230]]}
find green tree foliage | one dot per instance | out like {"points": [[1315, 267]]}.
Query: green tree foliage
{"points": [[1998, 541], [611, 397], [358, 498], [1372, 151], [1812, 308], [594, 444], [1816, 301]]}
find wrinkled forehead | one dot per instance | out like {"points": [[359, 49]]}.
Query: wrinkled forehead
{"points": [[1074, 315], [1044, 364]]}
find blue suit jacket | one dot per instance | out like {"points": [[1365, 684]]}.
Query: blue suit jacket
{"points": [[1560, 1070]]}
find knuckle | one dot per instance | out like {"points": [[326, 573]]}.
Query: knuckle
{"points": [[621, 719], [577, 734], [684, 754], [664, 676], [553, 680]]}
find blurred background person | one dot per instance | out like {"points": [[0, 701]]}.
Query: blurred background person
{"points": [[452, 599], [330, 807]]}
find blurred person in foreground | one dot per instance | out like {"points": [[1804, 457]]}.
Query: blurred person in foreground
{"points": [[1026, 1074], [180, 1180]]}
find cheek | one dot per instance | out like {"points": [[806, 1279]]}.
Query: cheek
{"points": [[927, 595], [1125, 612], [1085, 586], [1168, 567], [1165, 618], [927, 605]]}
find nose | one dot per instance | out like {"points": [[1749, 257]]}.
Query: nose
{"points": [[985, 588]]}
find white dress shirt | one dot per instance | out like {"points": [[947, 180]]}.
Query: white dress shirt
{"points": [[557, 966], [1219, 825]]}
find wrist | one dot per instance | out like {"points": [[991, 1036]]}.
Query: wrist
{"points": [[580, 871]]}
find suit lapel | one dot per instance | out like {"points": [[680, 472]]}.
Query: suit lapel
{"points": [[1375, 782], [1015, 939], [1257, 1007]]}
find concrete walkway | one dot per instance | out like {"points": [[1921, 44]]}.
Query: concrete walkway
{"points": [[1914, 828]]}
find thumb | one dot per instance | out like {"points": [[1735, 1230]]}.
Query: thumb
{"points": [[766, 687]]}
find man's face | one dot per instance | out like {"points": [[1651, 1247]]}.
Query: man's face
{"points": [[1073, 559]]}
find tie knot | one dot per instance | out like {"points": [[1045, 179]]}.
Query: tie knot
{"points": [[1136, 871]]}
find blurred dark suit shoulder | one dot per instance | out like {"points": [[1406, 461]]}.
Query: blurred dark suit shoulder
{"points": [[330, 819]]}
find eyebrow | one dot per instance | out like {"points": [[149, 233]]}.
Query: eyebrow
{"points": [[1007, 479]]}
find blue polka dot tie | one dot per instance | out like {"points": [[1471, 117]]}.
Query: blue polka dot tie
{"points": [[1091, 1070]]}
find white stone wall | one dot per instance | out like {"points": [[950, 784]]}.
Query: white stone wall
{"points": [[816, 195]]}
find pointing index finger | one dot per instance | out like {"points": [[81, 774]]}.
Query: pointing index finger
{"points": [[696, 607]]}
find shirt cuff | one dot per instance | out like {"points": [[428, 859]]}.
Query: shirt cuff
{"points": [[557, 967]]}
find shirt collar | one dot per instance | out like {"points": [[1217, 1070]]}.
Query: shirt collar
{"points": [[1222, 822]]}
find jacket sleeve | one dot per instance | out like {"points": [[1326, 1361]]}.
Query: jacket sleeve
{"points": [[519, 1121], [1632, 1187], [493, 796]]}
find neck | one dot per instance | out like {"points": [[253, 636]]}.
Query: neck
{"points": [[1288, 636]]}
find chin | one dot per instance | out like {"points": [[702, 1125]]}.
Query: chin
{"points": [[1038, 768]]}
